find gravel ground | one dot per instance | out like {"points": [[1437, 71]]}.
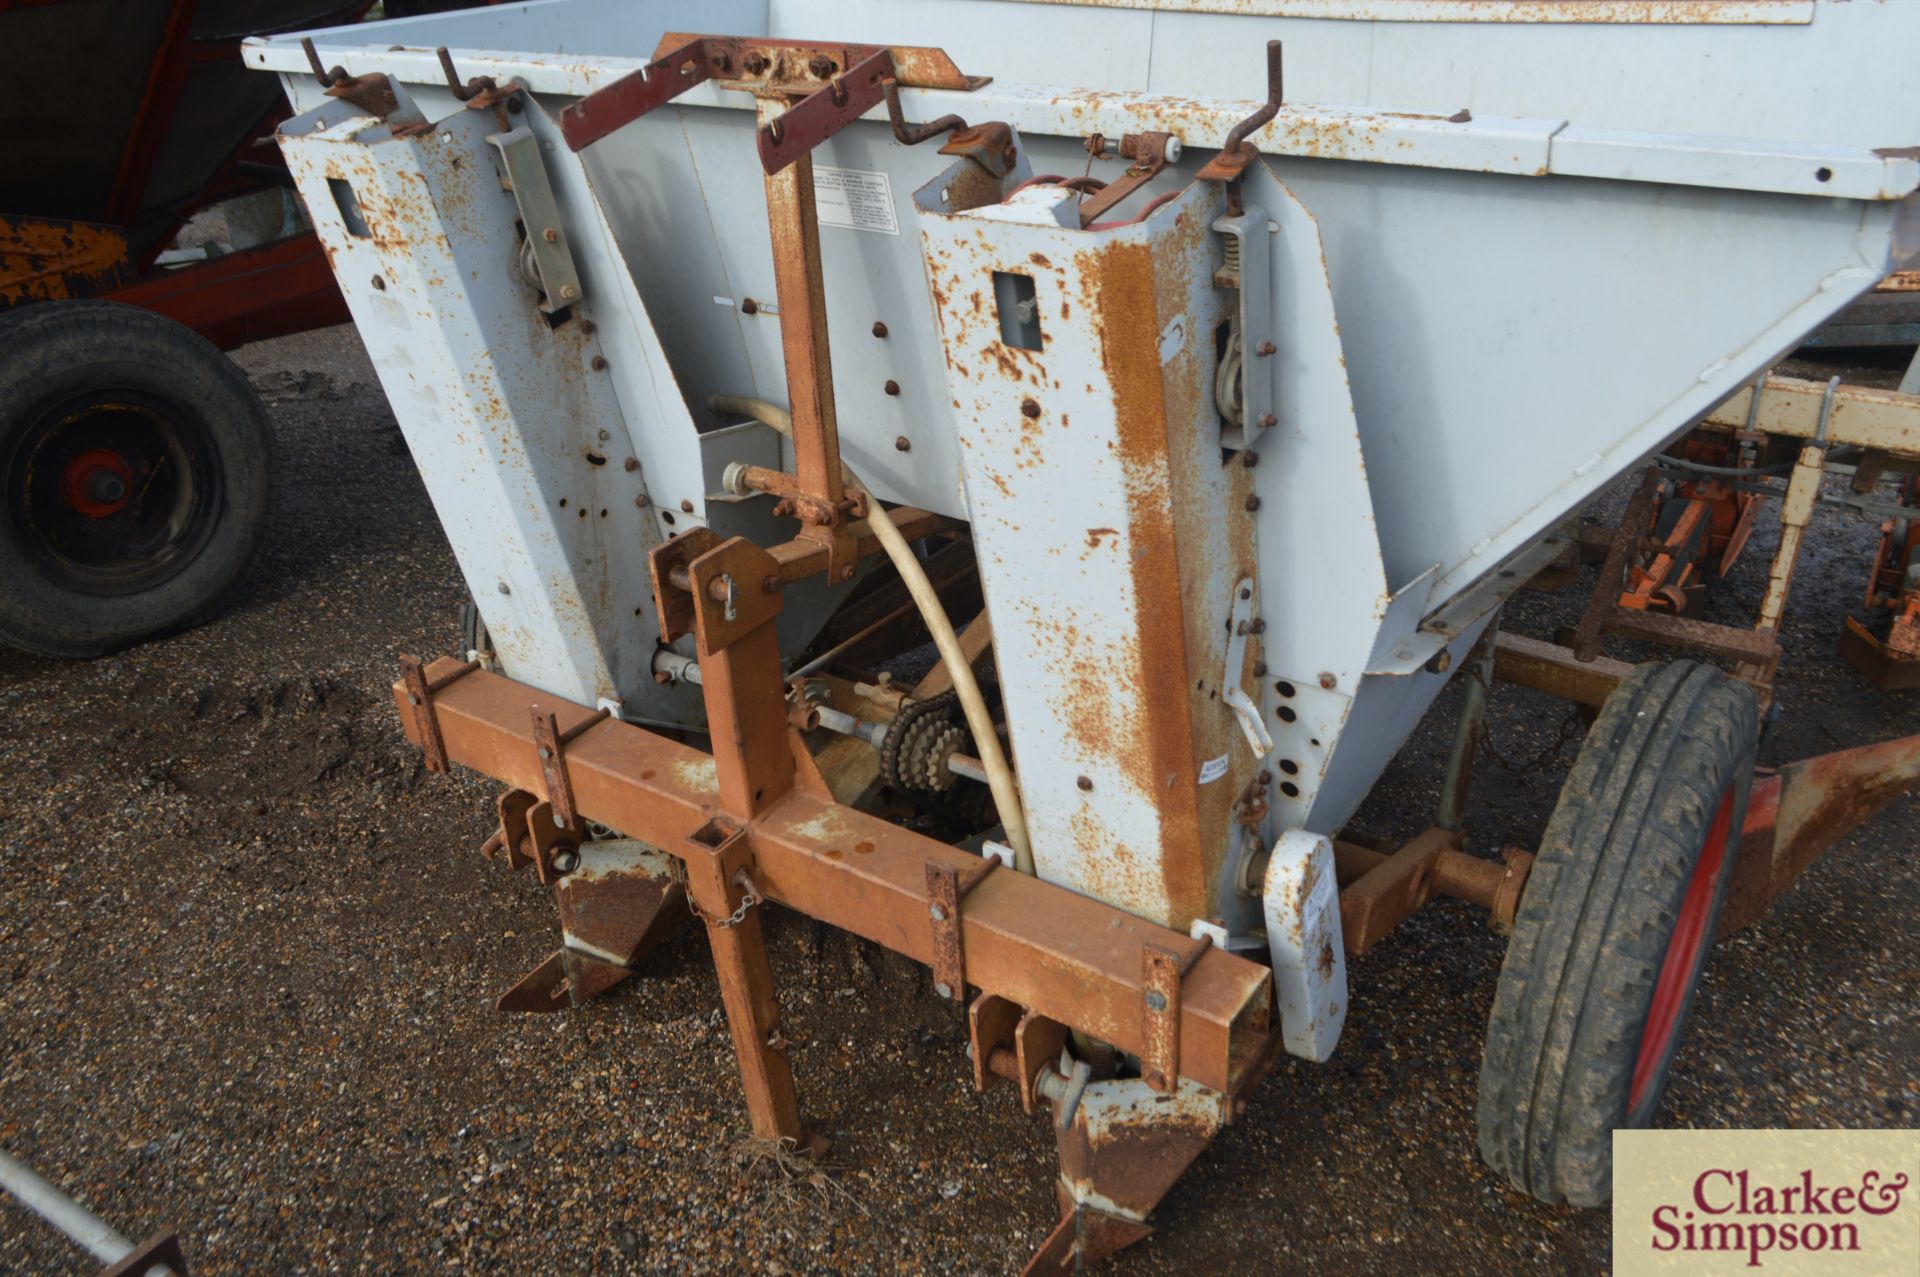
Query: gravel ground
{"points": [[248, 955]]}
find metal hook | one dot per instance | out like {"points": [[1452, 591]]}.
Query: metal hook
{"points": [[327, 78], [459, 90], [914, 134], [1266, 112]]}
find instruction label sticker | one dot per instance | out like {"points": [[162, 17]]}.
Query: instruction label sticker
{"points": [[856, 198], [1213, 769]]}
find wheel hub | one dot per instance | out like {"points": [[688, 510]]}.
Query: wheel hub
{"points": [[98, 483]]}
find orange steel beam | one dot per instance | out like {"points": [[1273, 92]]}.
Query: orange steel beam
{"points": [[1060, 955]]}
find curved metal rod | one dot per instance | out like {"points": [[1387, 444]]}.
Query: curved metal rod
{"points": [[327, 78], [459, 90], [1259, 118], [914, 134]]}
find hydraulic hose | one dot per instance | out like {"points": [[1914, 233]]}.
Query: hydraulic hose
{"points": [[1000, 779]]}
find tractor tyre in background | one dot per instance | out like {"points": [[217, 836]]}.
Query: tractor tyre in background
{"points": [[136, 462]]}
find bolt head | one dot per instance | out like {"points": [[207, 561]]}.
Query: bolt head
{"points": [[1264, 348], [1253, 503], [1268, 420], [879, 329], [568, 292], [565, 862], [632, 464], [1156, 1001], [1328, 681], [1085, 783], [937, 912], [1030, 408], [550, 235], [846, 573], [944, 989], [902, 444], [545, 752], [892, 387], [686, 507]]}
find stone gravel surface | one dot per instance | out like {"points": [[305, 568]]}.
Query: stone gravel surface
{"points": [[248, 955]]}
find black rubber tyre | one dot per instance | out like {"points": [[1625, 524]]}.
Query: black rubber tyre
{"points": [[1614, 928], [135, 460]]}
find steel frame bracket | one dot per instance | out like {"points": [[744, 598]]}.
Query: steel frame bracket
{"points": [[433, 747], [526, 177], [550, 745], [1249, 273], [945, 890], [682, 61], [159, 1249]]}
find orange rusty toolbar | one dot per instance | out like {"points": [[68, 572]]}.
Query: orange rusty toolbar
{"points": [[1060, 955]]}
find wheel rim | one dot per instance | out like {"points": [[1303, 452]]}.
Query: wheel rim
{"points": [[112, 492], [1686, 950]]}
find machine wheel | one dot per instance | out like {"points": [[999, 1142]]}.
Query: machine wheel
{"points": [[136, 462], [1614, 928]]}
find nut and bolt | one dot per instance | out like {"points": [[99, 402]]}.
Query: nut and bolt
{"points": [[846, 573], [892, 387], [1264, 348], [1268, 420], [1156, 1000], [749, 307], [631, 464], [599, 363], [1259, 669], [588, 327], [545, 752], [1030, 408], [568, 292], [1249, 458], [565, 861], [757, 63], [550, 235], [1328, 681], [902, 444], [937, 912], [1253, 503], [820, 65], [686, 507], [944, 989]]}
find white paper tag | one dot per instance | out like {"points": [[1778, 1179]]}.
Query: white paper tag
{"points": [[856, 198], [1213, 769]]}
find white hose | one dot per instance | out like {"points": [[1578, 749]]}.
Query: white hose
{"points": [[1006, 794]]}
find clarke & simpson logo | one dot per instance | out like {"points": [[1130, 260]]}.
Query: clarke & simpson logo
{"points": [[1783, 1203], [1727, 1211]]}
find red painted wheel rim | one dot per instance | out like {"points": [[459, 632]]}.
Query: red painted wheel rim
{"points": [[98, 483], [1685, 949]]}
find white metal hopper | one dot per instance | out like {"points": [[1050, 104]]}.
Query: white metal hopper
{"points": [[1550, 243], [1249, 465]]}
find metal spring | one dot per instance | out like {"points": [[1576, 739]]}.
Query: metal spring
{"points": [[1232, 266]]}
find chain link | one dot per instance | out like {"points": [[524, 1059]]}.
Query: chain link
{"points": [[747, 901]]}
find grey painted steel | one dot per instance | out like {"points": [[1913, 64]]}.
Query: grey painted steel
{"points": [[1506, 261], [80, 1225]]}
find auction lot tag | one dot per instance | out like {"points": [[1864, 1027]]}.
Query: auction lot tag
{"points": [[1783, 1203]]}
